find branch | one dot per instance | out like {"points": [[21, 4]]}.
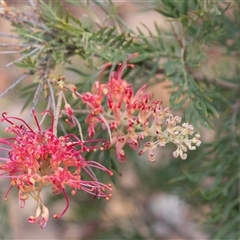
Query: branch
{"points": [[219, 82], [14, 84]]}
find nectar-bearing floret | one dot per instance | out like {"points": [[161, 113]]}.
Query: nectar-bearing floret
{"points": [[38, 158], [133, 117]]}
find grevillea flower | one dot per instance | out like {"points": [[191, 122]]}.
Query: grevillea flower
{"points": [[132, 117], [38, 158]]}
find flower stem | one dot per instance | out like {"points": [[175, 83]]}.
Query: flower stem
{"points": [[57, 111]]}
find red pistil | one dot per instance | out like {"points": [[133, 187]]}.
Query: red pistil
{"points": [[66, 207]]}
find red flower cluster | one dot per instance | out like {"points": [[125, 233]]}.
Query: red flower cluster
{"points": [[131, 117], [38, 158]]}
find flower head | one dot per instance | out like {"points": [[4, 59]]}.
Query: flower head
{"points": [[131, 117], [38, 158]]}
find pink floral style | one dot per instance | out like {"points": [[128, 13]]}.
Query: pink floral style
{"points": [[38, 158], [132, 117]]}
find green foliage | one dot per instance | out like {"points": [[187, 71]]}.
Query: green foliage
{"points": [[5, 231], [62, 35]]}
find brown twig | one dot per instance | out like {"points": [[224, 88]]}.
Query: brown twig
{"points": [[218, 82]]}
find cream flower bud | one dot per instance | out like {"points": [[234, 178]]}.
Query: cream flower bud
{"points": [[192, 148], [183, 155], [45, 215], [33, 219], [176, 153]]}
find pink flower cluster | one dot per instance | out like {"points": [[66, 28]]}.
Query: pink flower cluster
{"points": [[38, 158], [132, 117]]}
